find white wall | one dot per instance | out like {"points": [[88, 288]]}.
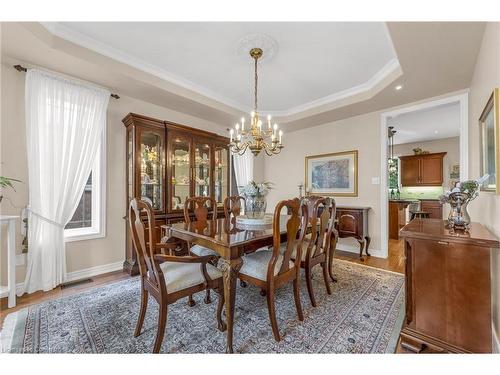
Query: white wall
{"points": [[486, 209], [360, 133], [81, 254]]}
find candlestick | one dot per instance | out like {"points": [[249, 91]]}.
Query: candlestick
{"points": [[231, 135], [281, 134], [269, 122], [242, 124]]}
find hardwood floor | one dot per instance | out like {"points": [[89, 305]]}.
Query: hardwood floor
{"points": [[37, 297], [394, 263]]}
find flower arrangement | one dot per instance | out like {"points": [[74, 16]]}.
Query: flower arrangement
{"points": [[469, 188], [254, 189], [458, 198]]}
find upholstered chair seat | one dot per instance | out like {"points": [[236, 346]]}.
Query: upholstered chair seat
{"points": [[180, 276], [255, 265], [202, 251]]}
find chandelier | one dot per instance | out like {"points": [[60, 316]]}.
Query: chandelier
{"points": [[393, 163], [258, 136]]}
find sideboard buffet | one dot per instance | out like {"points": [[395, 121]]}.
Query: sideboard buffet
{"points": [[448, 288], [168, 162]]}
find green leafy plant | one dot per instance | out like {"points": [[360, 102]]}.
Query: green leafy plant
{"points": [[7, 182]]}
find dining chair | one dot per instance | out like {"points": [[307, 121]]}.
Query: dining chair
{"points": [[270, 270], [203, 209], [232, 206], [321, 216], [168, 278], [232, 209]]}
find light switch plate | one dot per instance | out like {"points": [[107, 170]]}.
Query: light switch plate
{"points": [[375, 180]]}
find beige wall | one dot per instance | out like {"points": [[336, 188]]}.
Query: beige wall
{"points": [[360, 133], [81, 254], [449, 145], [486, 209]]}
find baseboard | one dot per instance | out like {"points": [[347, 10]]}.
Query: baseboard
{"points": [[355, 249], [93, 271], [495, 347], [78, 275]]}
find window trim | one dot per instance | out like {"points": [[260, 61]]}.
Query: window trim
{"points": [[98, 228]]}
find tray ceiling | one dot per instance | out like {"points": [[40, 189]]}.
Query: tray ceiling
{"points": [[314, 63]]}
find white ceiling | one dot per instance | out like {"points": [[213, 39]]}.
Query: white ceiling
{"points": [[427, 124], [315, 63]]}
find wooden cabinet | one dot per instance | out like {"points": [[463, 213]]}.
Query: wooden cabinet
{"points": [[353, 222], [168, 162], [433, 207], [448, 288], [422, 170], [397, 217]]}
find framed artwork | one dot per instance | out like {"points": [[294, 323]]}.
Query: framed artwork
{"points": [[489, 136], [332, 174]]}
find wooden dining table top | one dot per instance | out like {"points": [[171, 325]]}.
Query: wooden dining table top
{"points": [[225, 232]]}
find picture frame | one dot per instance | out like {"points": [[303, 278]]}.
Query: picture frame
{"points": [[334, 174], [489, 143]]}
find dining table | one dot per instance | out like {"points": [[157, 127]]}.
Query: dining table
{"points": [[231, 240]]}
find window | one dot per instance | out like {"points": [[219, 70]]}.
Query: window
{"points": [[89, 218]]}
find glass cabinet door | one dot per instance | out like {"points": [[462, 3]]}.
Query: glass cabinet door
{"points": [[221, 174], [180, 149], [151, 183], [202, 161]]}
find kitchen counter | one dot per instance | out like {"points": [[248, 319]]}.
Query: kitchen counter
{"points": [[404, 200]]}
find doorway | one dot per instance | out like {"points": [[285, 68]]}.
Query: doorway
{"points": [[433, 127]]}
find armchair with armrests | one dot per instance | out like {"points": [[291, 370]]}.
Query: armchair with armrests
{"points": [[168, 278]]}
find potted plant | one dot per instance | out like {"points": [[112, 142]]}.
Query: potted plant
{"points": [[6, 182]]}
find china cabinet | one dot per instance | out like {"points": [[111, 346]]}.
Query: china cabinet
{"points": [[168, 162]]}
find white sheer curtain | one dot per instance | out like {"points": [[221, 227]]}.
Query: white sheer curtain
{"points": [[65, 119], [243, 169]]}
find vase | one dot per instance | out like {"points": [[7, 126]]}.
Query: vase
{"points": [[459, 217], [255, 206]]}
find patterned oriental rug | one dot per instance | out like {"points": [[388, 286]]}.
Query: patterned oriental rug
{"points": [[364, 314]]}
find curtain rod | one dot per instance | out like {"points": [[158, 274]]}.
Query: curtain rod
{"points": [[20, 68]]}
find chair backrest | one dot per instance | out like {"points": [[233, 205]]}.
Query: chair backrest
{"points": [[296, 228], [321, 216], [145, 252], [203, 208], [232, 205]]}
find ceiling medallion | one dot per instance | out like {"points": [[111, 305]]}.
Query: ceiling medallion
{"points": [[257, 137], [266, 43]]}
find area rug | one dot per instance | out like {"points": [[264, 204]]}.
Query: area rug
{"points": [[362, 315]]}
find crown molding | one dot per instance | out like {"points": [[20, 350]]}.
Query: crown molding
{"points": [[389, 70], [383, 77]]}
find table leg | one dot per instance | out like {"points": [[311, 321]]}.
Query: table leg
{"points": [[368, 240], [11, 259], [230, 269], [361, 248]]}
